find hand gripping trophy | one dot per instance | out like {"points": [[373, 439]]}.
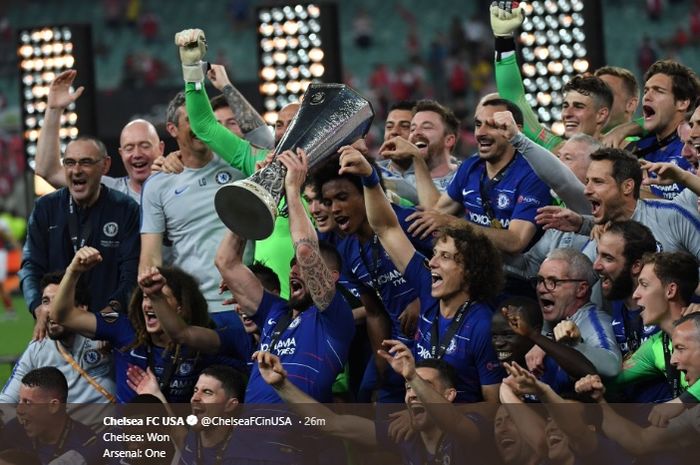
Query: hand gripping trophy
{"points": [[330, 116]]}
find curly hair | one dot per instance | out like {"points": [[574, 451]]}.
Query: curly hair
{"points": [[186, 291], [483, 269]]}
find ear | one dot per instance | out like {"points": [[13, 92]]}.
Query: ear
{"points": [[450, 394], [582, 290], [106, 165], [161, 147], [631, 105], [172, 130], [602, 116], [627, 186], [231, 404], [636, 268], [54, 406], [335, 274], [450, 141], [682, 105], [671, 291]]}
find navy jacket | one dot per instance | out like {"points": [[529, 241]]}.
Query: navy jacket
{"points": [[114, 224]]}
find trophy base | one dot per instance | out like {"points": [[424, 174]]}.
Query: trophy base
{"points": [[246, 209]]}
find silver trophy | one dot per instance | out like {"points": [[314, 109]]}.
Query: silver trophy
{"points": [[330, 116]]}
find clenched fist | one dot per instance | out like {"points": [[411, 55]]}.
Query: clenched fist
{"points": [[506, 17], [567, 332], [193, 47]]}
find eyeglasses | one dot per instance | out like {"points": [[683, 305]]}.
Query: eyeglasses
{"points": [[551, 283], [83, 162]]}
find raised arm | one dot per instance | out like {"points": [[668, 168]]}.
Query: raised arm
{"points": [[48, 151], [509, 81], [237, 152], [350, 427], [447, 419], [63, 309], [238, 277], [250, 121], [153, 285], [398, 148], [381, 216], [318, 277], [546, 165]]}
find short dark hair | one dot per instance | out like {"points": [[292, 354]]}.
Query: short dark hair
{"points": [[680, 268], [638, 238], [448, 117], [529, 310], [510, 106], [629, 81], [232, 380], [625, 166], [447, 373], [406, 105], [685, 83], [483, 270], [330, 255], [50, 379], [267, 276], [82, 295], [591, 86], [171, 114], [218, 101]]}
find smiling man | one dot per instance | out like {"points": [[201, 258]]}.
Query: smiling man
{"points": [[665, 285], [498, 190], [83, 213], [139, 144], [455, 288]]}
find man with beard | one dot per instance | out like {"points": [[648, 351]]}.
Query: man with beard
{"points": [[612, 187], [86, 364], [218, 394], [444, 435], [563, 289], [424, 155], [312, 332], [455, 288], [498, 190], [666, 284], [43, 426]]}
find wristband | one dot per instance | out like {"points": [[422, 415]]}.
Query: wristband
{"points": [[371, 180], [193, 73], [503, 45], [687, 398]]}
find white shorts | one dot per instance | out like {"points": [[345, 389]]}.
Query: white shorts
{"points": [[3, 265]]}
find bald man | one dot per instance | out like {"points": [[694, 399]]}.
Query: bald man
{"points": [[139, 143]]}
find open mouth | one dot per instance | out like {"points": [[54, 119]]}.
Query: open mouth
{"points": [[417, 409], [295, 285], [198, 410], [570, 125], [436, 279], [605, 281], [595, 207], [547, 305], [484, 144], [151, 318], [320, 219], [648, 111], [506, 443], [139, 165], [343, 222], [503, 355], [420, 143], [553, 440]]}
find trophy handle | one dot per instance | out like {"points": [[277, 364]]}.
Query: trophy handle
{"points": [[248, 207]]}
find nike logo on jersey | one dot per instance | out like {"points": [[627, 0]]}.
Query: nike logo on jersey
{"points": [[53, 226], [180, 190], [466, 192]]}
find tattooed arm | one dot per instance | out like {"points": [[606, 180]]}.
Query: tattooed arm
{"points": [[318, 278], [245, 114]]}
